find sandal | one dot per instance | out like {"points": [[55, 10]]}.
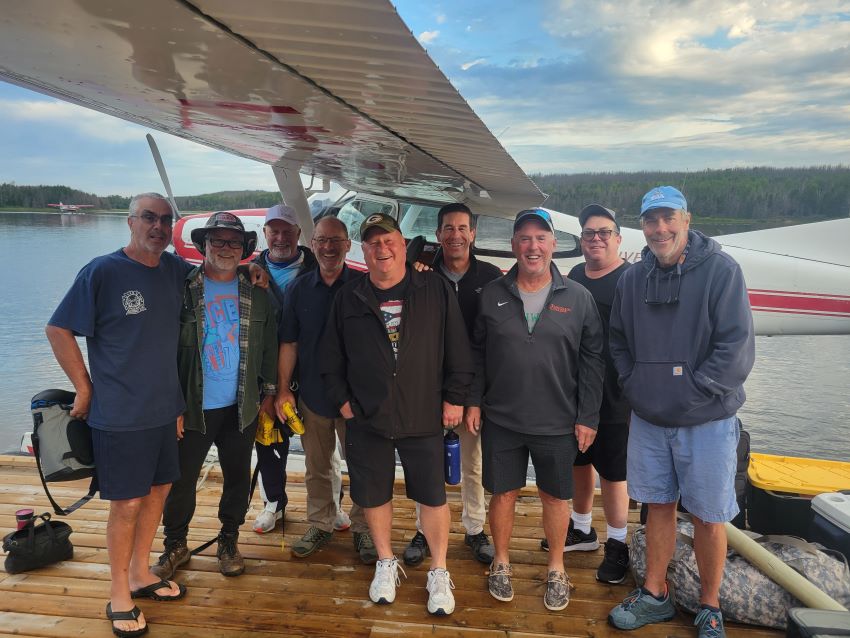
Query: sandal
{"points": [[133, 614], [150, 591]]}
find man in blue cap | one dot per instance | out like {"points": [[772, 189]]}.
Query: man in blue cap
{"points": [[682, 342]]}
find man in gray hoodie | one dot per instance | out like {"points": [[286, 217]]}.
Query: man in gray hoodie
{"points": [[682, 342]]}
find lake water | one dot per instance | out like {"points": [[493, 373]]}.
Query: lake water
{"points": [[798, 394]]}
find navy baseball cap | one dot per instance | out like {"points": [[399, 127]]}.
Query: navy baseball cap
{"points": [[663, 197], [534, 213]]}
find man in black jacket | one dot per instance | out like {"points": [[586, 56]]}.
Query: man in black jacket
{"points": [[538, 351], [467, 276], [396, 361]]}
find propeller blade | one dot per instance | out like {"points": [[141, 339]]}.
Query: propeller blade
{"points": [[157, 158]]}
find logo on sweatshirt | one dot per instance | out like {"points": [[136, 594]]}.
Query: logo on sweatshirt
{"points": [[562, 309], [678, 371]]}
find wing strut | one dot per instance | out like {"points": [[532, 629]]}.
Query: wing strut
{"points": [[157, 158], [292, 190]]}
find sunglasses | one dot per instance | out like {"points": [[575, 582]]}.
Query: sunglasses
{"points": [[604, 234], [221, 243]]}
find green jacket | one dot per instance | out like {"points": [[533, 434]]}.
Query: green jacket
{"points": [[258, 347]]}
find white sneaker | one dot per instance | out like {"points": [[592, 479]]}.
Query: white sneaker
{"points": [[441, 601], [342, 521], [382, 589], [268, 518]]}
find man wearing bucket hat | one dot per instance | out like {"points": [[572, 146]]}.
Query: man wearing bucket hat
{"points": [[396, 364], [682, 343], [227, 356], [284, 260]]}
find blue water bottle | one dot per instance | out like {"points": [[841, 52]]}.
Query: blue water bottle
{"points": [[451, 447]]}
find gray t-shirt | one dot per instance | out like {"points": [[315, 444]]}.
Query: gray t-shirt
{"points": [[452, 276], [532, 304]]}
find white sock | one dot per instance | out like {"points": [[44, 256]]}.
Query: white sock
{"points": [[617, 533], [582, 522]]}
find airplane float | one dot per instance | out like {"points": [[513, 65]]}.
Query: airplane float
{"points": [[70, 208], [344, 93]]}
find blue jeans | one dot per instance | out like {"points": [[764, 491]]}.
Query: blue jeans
{"points": [[697, 461]]}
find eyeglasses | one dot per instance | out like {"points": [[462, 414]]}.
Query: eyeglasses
{"points": [[604, 234], [221, 243], [333, 241], [654, 295], [151, 219]]}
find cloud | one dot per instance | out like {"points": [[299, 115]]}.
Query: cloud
{"points": [[86, 122], [468, 65], [427, 37], [441, 18]]}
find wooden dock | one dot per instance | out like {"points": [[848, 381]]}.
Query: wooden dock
{"points": [[325, 594]]}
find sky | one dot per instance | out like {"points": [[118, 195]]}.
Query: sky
{"points": [[566, 86]]}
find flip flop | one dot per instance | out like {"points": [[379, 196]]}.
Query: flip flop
{"points": [[150, 591], [133, 614]]}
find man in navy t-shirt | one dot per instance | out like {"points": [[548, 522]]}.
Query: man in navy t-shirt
{"points": [[126, 304]]}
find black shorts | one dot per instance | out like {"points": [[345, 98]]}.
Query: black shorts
{"points": [[608, 452], [505, 455], [129, 462], [371, 467]]}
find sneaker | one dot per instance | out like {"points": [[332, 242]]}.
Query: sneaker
{"points": [[230, 561], [499, 582], [615, 564], [557, 595], [382, 589], [176, 553], [342, 521], [268, 518], [577, 541], [481, 547], [441, 601], [416, 552], [709, 624], [641, 608], [365, 547], [314, 539]]}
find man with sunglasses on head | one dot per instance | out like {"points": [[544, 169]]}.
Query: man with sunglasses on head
{"points": [[126, 304], [538, 385], [600, 272], [227, 356], [682, 343]]}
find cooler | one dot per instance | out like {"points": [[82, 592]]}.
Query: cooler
{"points": [[782, 487], [831, 521], [807, 623]]}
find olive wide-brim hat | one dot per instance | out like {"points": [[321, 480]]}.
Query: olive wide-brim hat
{"points": [[227, 221]]}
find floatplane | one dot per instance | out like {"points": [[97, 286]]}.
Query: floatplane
{"points": [[69, 209], [341, 92]]}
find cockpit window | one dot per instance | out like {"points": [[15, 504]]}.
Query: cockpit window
{"points": [[354, 212], [493, 238]]}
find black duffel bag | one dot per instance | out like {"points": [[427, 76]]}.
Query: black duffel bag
{"points": [[37, 545]]}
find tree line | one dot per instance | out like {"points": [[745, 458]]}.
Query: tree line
{"points": [[752, 194]]}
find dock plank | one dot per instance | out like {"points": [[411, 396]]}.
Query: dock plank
{"points": [[323, 595]]}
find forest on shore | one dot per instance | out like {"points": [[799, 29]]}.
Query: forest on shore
{"points": [[754, 197]]}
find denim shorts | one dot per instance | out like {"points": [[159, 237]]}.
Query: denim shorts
{"points": [[697, 462]]}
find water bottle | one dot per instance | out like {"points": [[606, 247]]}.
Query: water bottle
{"points": [[451, 447]]}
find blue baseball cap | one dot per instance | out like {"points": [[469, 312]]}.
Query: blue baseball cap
{"points": [[663, 197], [534, 213]]}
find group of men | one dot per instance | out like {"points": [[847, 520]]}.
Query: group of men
{"points": [[634, 371]]}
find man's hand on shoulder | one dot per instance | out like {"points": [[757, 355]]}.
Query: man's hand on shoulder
{"points": [[259, 277], [418, 266]]}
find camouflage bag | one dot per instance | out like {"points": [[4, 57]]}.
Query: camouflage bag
{"points": [[746, 594]]}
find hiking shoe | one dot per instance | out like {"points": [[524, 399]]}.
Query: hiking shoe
{"points": [[557, 595], [314, 539], [499, 582], [577, 541], [364, 546], [709, 624], [441, 601], [386, 579], [230, 561], [416, 552], [641, 608], [268, 518], [176, 553], [615, 564], [481, 547], [342, 521]]}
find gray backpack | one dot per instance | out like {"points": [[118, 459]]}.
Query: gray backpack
{"points": [[62, 445]]}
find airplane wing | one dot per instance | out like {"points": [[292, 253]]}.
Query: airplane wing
{"points": [[341, 90]]}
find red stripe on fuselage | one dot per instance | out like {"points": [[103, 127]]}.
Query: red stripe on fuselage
{"points": [[800, 302]]}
